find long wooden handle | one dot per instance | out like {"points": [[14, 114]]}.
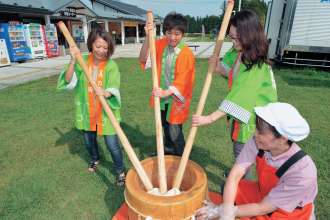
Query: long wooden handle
{"points": [[128, 148], [158, 120], [202, 100]]}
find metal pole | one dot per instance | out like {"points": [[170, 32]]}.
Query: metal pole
{"points": [[239, 4]]}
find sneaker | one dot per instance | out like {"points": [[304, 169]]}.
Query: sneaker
{"points": [[169, 151], [92, 166], [121, 179]]}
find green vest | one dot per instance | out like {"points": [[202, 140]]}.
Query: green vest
{"points": [[250, 89], [229, 58], [111, 83], [163, 86]]}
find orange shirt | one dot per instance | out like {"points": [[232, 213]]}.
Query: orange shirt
{"points": [[184, 77]]}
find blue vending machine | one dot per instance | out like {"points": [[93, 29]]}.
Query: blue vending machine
{"points": [[13, 33]]}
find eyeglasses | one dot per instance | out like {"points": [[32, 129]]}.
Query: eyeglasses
{"points": [[233, 38]]}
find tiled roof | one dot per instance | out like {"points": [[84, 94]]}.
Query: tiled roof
{"points": [[125, 7], [31, 6], [125, 11]]}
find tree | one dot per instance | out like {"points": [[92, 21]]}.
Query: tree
{"points": [[213, 22], [258, 6]]}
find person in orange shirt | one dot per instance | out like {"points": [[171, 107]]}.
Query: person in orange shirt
{"points": [[176, 75]]}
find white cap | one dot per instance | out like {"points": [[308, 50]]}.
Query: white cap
{"points": [[286, 119]]}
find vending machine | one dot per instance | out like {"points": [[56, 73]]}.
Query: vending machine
{"points": [[4, 56], [35, 40], [13, 34], [51, 41]]}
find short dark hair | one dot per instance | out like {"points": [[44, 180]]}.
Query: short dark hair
{"points": [[251, 37], [263, 126], [175, 20], [93, 35]]}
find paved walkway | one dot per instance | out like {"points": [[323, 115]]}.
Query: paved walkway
{"points": [[33, 70]]}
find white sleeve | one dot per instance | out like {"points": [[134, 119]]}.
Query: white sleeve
{"points": [[73, 82], [148, 62]]}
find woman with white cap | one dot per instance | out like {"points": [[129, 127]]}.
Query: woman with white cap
{"points": [[287, 177]]}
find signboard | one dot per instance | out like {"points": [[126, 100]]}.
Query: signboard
{"points": [[69, 12], [130, 23]]}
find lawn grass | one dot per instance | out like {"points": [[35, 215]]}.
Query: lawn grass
{"points": [[207, 38], [44, 162], [201, 39]]}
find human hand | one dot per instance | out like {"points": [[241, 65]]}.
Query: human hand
{"points": [[74, 51], [106, 94], [208, 211], [214, 60], [148, 27], [101, 92], [158, 92], [228, 211], [199, 120]]}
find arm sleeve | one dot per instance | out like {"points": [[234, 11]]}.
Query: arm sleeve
{"points": [[62, 84], [184, 76], [147, 64], [245, 94], [113, 86], [247, 157]]}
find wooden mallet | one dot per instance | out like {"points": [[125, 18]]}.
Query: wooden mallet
{"points": [[158, 120], [201, 103], [122, 137]]}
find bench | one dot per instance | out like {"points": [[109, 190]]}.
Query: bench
{"points": [[194, 46]]}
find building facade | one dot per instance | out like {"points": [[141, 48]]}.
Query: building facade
{"points": [[123, 21]]}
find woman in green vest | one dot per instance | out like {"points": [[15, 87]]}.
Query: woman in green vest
{"points": [[90, 117], [250, 79]]}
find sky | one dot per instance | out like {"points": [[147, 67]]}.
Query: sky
{"points": [[187, 7]]}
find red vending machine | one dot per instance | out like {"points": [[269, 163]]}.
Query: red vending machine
{"points": [[51, 41]]}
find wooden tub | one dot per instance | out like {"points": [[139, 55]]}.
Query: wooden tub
{"points": [[142, 204]]}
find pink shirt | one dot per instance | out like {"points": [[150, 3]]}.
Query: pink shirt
{"points": [[298, 185]]}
